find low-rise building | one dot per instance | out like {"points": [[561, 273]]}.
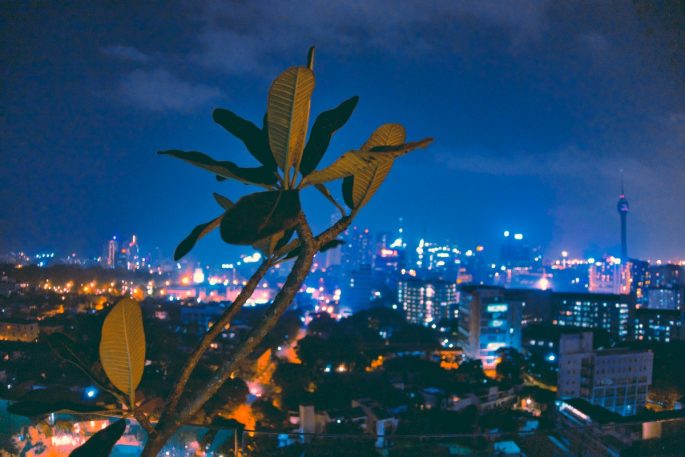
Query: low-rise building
{"points": [[616, 379]]}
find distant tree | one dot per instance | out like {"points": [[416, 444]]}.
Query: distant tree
{"points": [[511, 365], [470, 372]]}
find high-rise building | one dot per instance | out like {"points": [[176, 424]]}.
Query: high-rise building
{"points": [[358, 249], [623, 208], [616, 379], [134, 260], [610, 276], [516, 253], [638, 280], [427, 301], [609, 312], [358, 293], [660, 325], [488, 322], [112, 253]]}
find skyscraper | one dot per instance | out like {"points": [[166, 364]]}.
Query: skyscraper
{"points": [[623, 208]]}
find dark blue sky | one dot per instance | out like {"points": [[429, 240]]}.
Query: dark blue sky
{"points": [[535, 106]]}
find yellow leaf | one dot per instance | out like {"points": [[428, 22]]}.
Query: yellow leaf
{"points": [[367, 181], [288, 116], [352, 162], [122, 346], [386, 135]]}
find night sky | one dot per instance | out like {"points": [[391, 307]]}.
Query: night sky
{"points": [[535, 106]]}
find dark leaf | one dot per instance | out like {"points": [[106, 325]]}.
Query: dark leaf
{"points": [[347, 186], [67, 349], [286, 237], [101, 443], [198, 232], [255, 139], [225, 169], [44, 401], [224, 202], [323, 129], [34, 408], [260, 215], [78, 355]]}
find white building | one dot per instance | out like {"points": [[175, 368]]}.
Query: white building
{"points": [[616, 379]]}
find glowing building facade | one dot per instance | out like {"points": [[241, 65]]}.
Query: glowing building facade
{"points": [[427, 301], [599, 311], [488, 321]]}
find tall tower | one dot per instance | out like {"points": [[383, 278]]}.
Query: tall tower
{"points": [[623, 209]]}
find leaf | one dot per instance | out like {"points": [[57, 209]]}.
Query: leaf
{"points": [[385, 135], [198, 232], [347, 185], [122, 346], [325, 125], [224, 202], [310, 58], [102, 442], [254, 138], [288, 115], [225, 169], [70, 351], [260, 215], [367, 181], [353, 161], [45, 401], [269, 245]]}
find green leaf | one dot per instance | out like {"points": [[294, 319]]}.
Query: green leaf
{"points": [[288, 116], [102, 442], [260, 215], [224, 202], [198, 232], [254, 138], [225, 169], [122, 346], [325, 125]]}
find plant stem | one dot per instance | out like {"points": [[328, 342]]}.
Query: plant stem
{"points": [[171, 421], [210, 336]]}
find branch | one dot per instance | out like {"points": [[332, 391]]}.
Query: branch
{"points": [[278, 307], [170, 422], [333, 231], [225, 319]]}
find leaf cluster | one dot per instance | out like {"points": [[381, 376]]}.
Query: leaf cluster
{"points": [[288, 163]]}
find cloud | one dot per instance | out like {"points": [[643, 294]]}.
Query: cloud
{"points": [[249, 38], [126, 53], [159, 90]]}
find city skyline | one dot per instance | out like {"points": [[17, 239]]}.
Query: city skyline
{"points": [[534, 110]]}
